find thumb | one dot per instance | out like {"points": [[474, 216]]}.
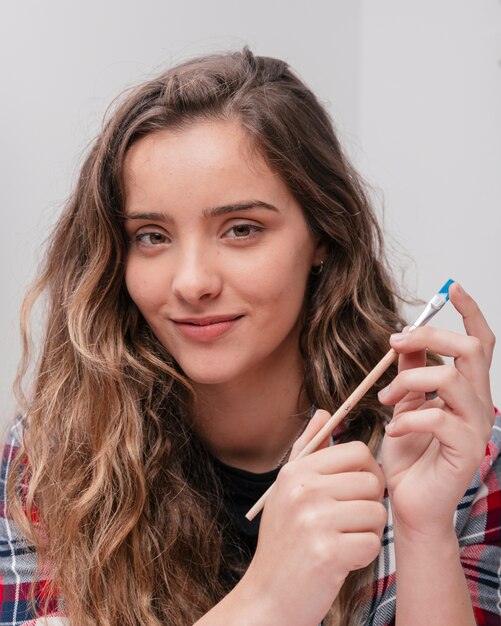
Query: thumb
{"points": [[319, 419]]}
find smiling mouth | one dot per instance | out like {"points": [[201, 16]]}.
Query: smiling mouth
{"points": [[207, 321], [206, 329]]}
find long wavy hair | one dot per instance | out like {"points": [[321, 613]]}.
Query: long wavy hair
{"points": [[111, 485]]}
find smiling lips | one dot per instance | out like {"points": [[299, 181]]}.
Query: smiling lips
{"points": [[206, 328]]}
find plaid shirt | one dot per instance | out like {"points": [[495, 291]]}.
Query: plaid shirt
{"points": [[477, 522]]}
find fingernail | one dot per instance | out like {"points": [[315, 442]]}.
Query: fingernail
{"points": [[398, 337], [384, 392], [459, 289], [390, 427]]}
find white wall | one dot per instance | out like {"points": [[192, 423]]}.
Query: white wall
{"points": [[62, 62], [414, 88], [430, 141]]}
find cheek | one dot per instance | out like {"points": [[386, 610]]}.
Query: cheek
{"points": [[280, 282], [144, 287]]}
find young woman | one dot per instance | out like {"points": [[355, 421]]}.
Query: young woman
{"points": [[216, 277]]}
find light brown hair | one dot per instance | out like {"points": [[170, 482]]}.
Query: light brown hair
{"points": [[133, 525]]}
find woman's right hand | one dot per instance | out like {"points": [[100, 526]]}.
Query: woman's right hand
{"points": [[323, 519]]}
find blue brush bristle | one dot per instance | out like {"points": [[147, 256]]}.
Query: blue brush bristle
{"points": [[445, 288]]}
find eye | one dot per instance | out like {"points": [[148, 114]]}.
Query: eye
{"points": [[151, 239], [243, 231]]}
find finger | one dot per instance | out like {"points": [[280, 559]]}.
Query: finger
{"points": [[473, 319], [468, 353], [351, 486], [462, 444], [358, 550], [449, 383], [411, 359], [319, 419], [358, 516], [407, 361], [354, 456]]}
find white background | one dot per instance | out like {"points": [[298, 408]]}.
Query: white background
{"points": [[414, 89]]}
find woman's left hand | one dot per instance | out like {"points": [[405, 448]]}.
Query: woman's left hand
{"points": [[433, 447]]}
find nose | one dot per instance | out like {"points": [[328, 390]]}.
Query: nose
{"points": [[196, 276]]}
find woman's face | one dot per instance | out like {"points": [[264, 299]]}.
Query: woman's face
{"points": [[219, 251]]}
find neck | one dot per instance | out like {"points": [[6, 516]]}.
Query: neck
{"points": [[252, 422]]}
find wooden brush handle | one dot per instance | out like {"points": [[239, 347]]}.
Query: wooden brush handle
{"points": [[338, 417]]}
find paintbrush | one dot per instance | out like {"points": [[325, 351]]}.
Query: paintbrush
{"points": [[431, 309]]}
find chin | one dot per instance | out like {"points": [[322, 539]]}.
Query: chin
{"points": [[212, 373], [209, 378]]}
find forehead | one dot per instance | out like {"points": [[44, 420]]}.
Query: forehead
{"points": [[208, 163], [220, 145]]}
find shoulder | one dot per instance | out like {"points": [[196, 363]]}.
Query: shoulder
{"points": [[11, 443], [12, 439], [18, 559], [481, 504], [478, 525]]}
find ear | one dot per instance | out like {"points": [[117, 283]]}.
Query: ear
{"points": [[319, 252]]}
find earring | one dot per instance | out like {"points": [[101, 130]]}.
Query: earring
{"points": [[316, 270]]}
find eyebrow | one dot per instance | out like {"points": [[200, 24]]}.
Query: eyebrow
{"points": [[211, 212]]}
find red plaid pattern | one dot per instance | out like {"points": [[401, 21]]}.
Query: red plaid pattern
{"points": [[477, 523]]}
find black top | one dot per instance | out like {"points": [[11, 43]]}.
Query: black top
{"points": [[241, 490]]}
